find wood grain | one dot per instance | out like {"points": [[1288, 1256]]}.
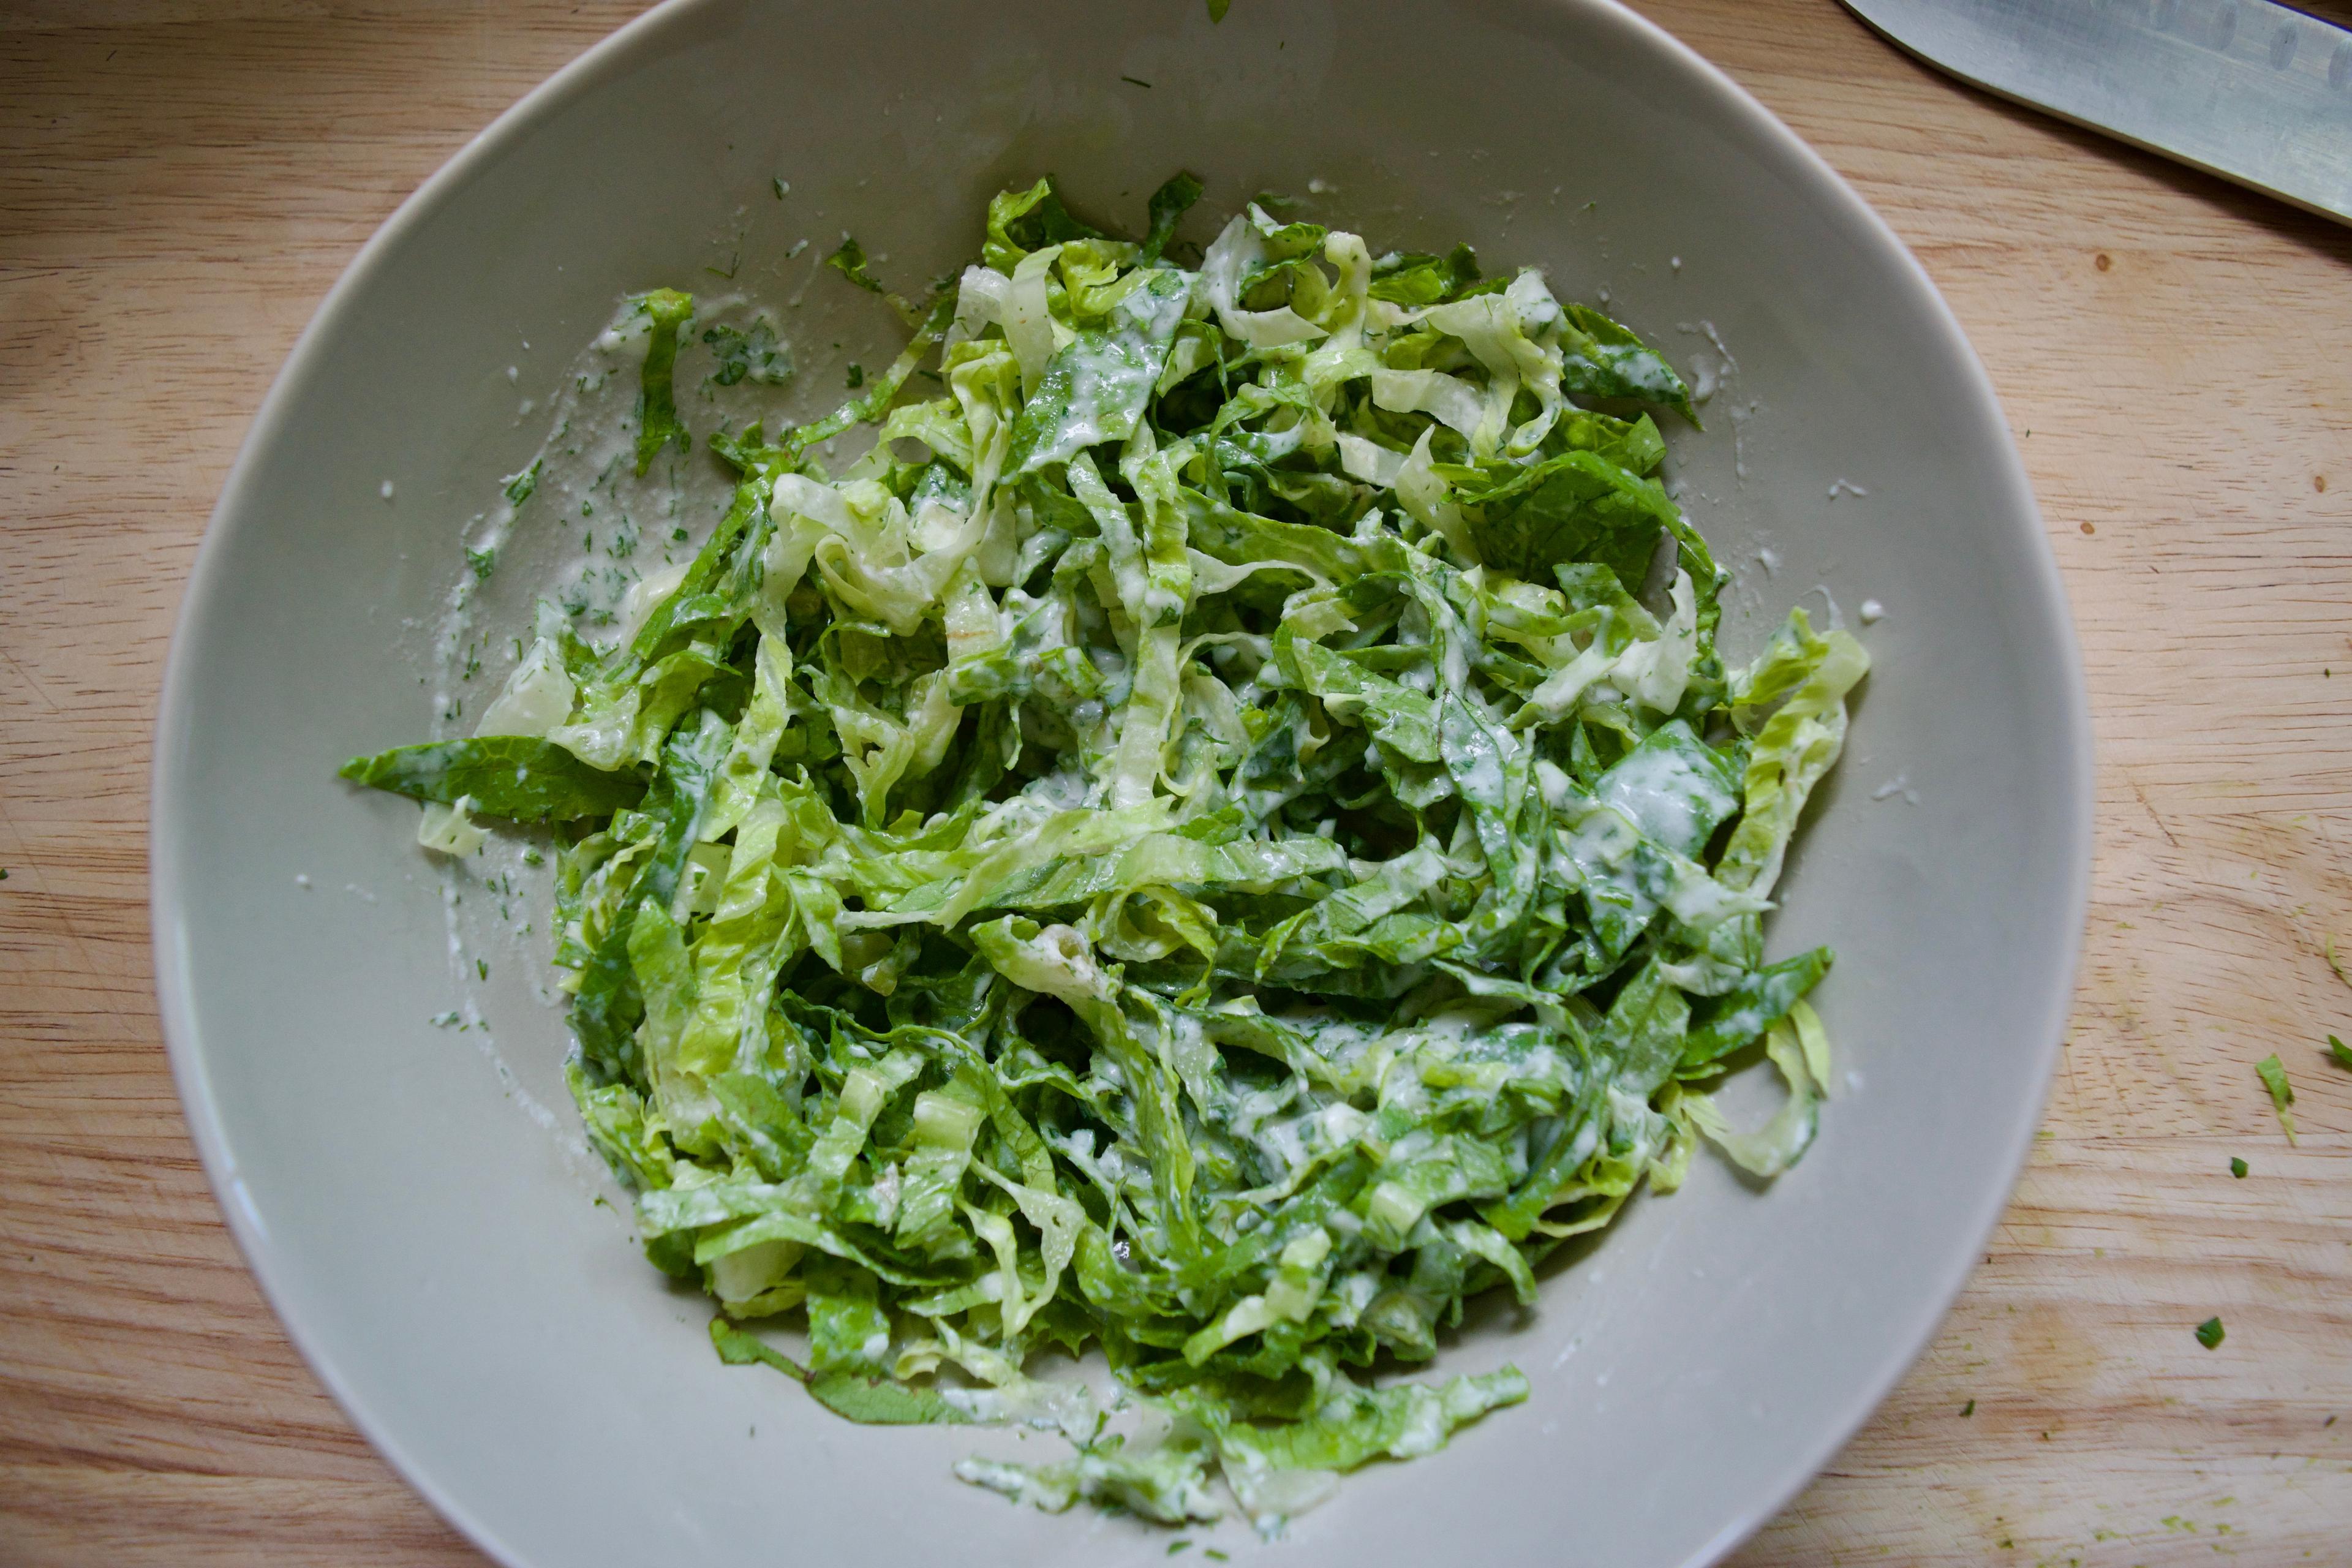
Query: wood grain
{"points": [[180, 181]]}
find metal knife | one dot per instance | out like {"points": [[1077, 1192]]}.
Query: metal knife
{"points": [[2243, 89]]}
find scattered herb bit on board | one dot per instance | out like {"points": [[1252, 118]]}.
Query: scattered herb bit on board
{"points": [[2273, 1078]]}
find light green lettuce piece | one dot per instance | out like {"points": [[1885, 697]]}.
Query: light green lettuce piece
{"points": [[1781, 1142], [667, 313], [1167, 1484], [1802, 680]]}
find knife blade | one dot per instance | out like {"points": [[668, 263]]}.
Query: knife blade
{"points": [[2250, 91]]}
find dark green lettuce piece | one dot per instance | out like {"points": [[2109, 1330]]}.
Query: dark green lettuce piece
{"points": [[877, 1401], [516, 776], [871, 1401], [738, 1347], [1604, 359], [1578, 506], [1741, 1016], [1169, 202]]}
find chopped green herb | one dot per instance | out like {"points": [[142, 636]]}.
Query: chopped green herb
{"points": [[2340, 1051], [519, 487], [1180, 1545], [443, 1020], [2273, 1078], [849, 260], [750, 352], [1212, 1554], [856, 377], [1970, 1408], [2209, 1332], [483, 562], [1217, 9], [482, 968], [2238, 1168], [2327, 946]]}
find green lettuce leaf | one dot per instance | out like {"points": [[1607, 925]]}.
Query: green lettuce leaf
{"points": [[1096, 388], [1602, 358], [516, 776], [1413, 279], [1577, 507]]}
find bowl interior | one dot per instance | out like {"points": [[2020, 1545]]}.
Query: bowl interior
{"points": [[416, 1199]]}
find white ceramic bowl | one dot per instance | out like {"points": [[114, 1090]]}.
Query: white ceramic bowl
{"points": [[434, 1251]]}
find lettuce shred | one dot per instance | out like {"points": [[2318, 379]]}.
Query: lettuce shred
{"points": [[1224, 835]]}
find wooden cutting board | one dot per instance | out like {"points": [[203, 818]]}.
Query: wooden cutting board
{"points": [[181, 180]]}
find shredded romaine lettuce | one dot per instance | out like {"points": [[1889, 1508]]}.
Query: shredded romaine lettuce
{"points": [[1224, 835]]}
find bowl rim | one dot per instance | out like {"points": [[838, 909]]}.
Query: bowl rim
{"points": [[174, 989]]}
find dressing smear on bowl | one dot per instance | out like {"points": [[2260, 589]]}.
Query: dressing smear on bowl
{"points": [[575, 533], [1221, 837]]}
